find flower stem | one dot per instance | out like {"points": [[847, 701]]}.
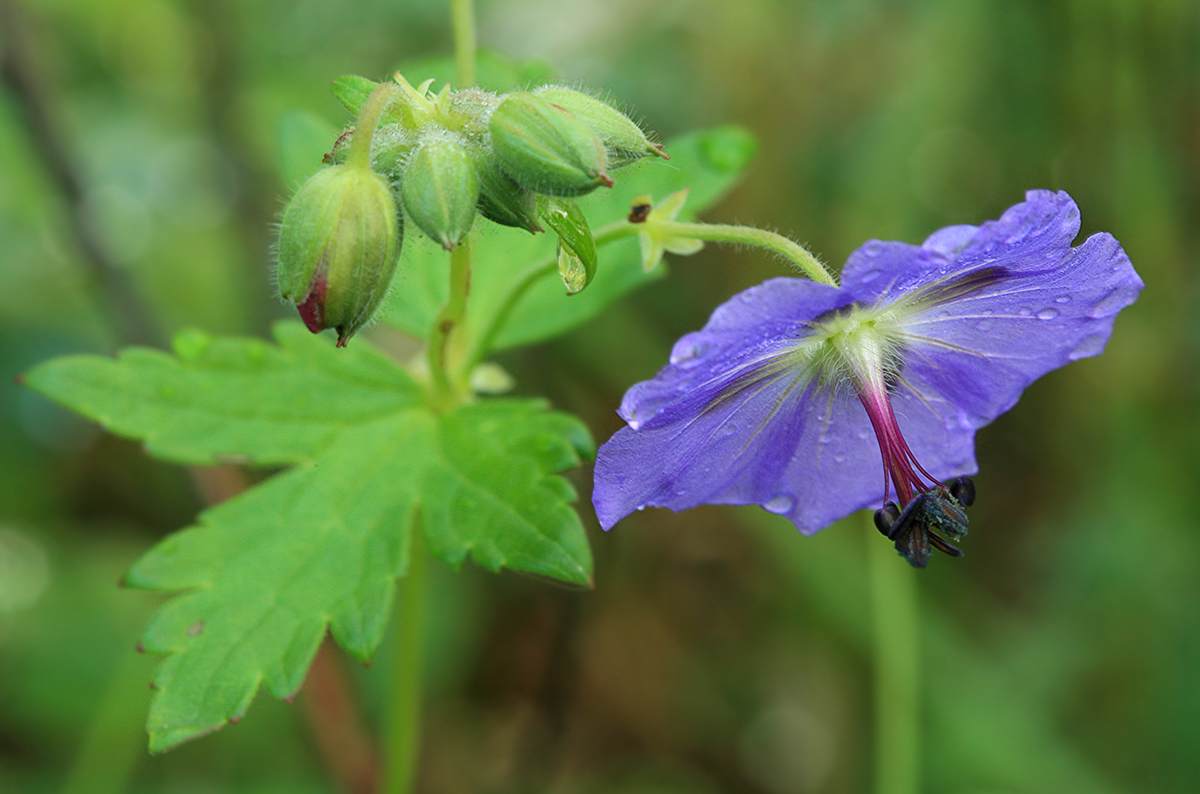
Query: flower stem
{"points": [[789, 249], [446, 336], [404, 704], [368, 119], [462, 15], [897, 679], [716, 232]]}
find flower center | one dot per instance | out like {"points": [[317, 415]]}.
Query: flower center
{"points": [[866, 346]]}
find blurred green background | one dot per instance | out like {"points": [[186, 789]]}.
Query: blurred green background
{"points": [[720, 650]]}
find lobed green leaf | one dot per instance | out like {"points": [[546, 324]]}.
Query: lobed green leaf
{"points": [[263, 576], [231, 400]]}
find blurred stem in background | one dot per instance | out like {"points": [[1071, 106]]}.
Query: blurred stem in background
{"points": [[896, 717], [404, 707], [127, 312], [404, 704]]}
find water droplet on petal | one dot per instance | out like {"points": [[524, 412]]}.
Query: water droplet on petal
{"points": [[779, 505], [1017, 236], [983, 325], [870, 275], [1110, 304], [687, 353], [1025, 312], [1090, 346], [1047, 314], [840, 457], [873, 248], [864, 433], [729, 429], [1063, 299]]}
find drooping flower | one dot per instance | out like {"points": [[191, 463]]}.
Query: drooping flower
{"points": [[794, 391]]}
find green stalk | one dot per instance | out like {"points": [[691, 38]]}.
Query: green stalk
{"points": [[446, 337], [897, 661], [716, 232], [368, 119], [790, 250], [462, 15], [403, 712]]}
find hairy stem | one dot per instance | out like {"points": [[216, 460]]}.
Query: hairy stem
{"points": [[368, 120], [447, 365], [404, 703], [714, 232], [789, 249], [897, 660]]}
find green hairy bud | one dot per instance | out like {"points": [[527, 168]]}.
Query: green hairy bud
{"points": [[502, 200], [440, 189], [624, 141], [338, 244], [545, 148]]}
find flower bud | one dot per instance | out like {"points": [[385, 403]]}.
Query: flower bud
{"points": [[504, 201], [624, 140], [544, 148], [440, 189], [338, 245]]}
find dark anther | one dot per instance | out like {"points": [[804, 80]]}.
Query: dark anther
{"points": [[639, 212], [885, 518], [963, 490], [927, 520], [944, 547]]}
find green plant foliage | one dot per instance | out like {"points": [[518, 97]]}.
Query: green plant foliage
{"points": [[708, 162], [319, 546], [574, 238]]}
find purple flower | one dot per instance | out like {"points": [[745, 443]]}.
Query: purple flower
{"points": [[794, 391]]}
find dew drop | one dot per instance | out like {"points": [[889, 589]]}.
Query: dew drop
{"points": [[1090, 346], [1047, 314], [779, 505], [685, 354], [1063, 299], [864, 433], [873, 248], [840, 457], [1109, 305], [983, 325], [1025, 312], [729, 429], [1017, 236], [870, 275]]}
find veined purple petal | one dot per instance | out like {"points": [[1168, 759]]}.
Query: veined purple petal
{"points": [[1039, 304], [722, 422]]}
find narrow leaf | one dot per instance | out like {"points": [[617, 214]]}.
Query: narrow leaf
{"points": [[574, 240]]}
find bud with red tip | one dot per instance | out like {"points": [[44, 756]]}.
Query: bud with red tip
{"points": [[338, 245]]}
